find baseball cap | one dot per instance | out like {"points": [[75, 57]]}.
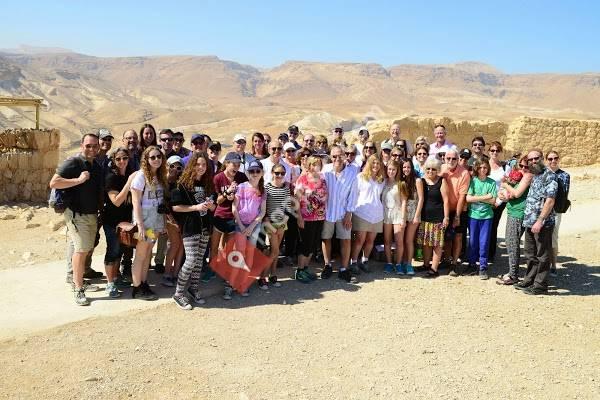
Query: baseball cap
{"points": [[465, 153], [289, 145], [255, 164], [386, 146], [233, 157], [238, 137], [197, 136], [284, 136], [174, 159], [363, 130], [104, 133], [215, 146]]}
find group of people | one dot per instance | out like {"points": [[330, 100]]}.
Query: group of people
{"points": [[295, 199]]}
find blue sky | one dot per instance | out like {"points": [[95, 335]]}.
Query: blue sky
{"points": [[514, 36]]}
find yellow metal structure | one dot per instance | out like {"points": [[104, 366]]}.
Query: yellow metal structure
{"points": [[17, 102]]}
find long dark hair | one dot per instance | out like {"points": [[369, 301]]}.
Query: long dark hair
{"points": [[265, 151], [113, 165], [410, 181], [143, 144], [188, 176]]}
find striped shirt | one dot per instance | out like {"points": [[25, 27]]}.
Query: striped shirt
{"points": [[278, 202], [342, 198]]}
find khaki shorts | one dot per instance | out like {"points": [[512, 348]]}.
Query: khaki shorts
{"points": [[361, 225], [338, 227], [81, 229]]}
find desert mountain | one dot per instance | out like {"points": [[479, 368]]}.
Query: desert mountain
{"points": [[221, 97]]}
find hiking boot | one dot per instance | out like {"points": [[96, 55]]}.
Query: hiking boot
{"points": [[327, 272], [388, 268], [300, 275], [273, 281], [196, 296], [87, 286], [228, 293], [345, 275], [112, 291], [91, 274], [159, 268], [182, 302], [80, 298]]}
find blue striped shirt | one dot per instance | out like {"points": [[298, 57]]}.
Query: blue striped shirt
{"points": [[342, 198]]}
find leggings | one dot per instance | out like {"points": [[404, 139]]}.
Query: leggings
{"points": [[310, 237], [514, 232], [195, 248]]}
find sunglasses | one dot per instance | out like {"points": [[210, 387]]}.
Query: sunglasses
{"points": [[240, 141], [349, 153], [421, 154], [451, 159], [477, 145], [166, 139], [495, 151], [533, 159], [523, 166], [369, 147], [396, 155], [124, 158], [552, 158], [178, 140], [177, 167], [338, 131], [159, 157], [279, 174], [276, 148], [430, 169], [91, 146], [254, 171]]}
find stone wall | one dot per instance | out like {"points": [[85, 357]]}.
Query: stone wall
{"points": [[28, 159], [577, 141]]}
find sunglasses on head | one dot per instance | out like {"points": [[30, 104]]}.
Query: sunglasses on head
{"points": [[177, 167], [124, 158], [156, 157]]}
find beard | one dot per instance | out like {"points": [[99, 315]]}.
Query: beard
{"points": [[536, 168]]}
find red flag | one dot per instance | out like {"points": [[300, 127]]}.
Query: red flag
{"points": [[240, 262]]}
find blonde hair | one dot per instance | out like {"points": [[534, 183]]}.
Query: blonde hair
{"points": [[161, 172], [312, 160], [366, 173]]}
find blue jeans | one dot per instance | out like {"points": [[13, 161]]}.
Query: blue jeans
{"points": [[113, 247], [479, 241]]}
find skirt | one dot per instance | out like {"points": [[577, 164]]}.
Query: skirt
{"points": [[431, 234], [392, 216]]}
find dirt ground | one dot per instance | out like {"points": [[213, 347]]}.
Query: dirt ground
{"points": [[385, 337]]}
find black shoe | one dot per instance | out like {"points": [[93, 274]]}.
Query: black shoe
{"points": [[147, 292], [345, 275], [535, 291], [471, 270], [159, 268], [522, 285], [91, 274], [327, 272], [453, 270]]}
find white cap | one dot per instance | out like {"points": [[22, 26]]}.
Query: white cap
{"points": [[239, 136], [174, 159], [289, 145]]}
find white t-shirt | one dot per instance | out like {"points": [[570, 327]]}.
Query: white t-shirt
{"points": [[434, 149], [268, 167], [151, 197], [368, 203]]}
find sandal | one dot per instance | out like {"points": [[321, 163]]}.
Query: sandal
{"points": [[431, 273], [506, 280]]}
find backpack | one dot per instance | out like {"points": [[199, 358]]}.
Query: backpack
{"points": [[60, 200], [561, 201]]}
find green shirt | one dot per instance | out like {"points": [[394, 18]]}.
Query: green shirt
{"points": [[516, 207], [480, 210]]}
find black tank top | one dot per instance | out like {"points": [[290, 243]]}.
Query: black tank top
{"points": [[433, 207]]}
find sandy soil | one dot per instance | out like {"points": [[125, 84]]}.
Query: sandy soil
{"points": [[385, 337]]}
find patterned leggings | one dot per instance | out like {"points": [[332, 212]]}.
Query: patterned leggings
{"points": [[195, 248], [514, 232]]}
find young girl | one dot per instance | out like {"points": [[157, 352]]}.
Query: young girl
{"points": [[275, 222], [481, 198], [367, 219], [394, 211], [249, 208], [311, 193], [192, 200], [413, 187], [173, 240], [148, 198]]}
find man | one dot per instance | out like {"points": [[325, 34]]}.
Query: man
{"points": [[275, 151], [441, 144], [338, 215], [464, 157], [363, 137], [178, 147], [106, 139], [283, 138], [394, 135], [166, 143], [309, 141], [477, 148], [81, 174], [564, 180], [130, 141], [539, 224], [457, 180], [199, 145], [239, 145], [214, 152], [350, 153], [293, 133], [338, 137]]}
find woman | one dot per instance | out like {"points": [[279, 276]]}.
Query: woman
{"points": [[249, 208], [267, 138], [421, 141], [497, 173], [397, 153], [275, 222], [193, 199], [291, 159], [117, 208], [394, 211], [259, 146], [367, 219], [564, 182], [311, 194], [419, 160], [515, 196], [368, 150], [225, 184], [147, 137], [175, 242], [481, 198], [148, 198], [321, 143], [435, 217], [413, 187], [302, 158], [403, 145]]}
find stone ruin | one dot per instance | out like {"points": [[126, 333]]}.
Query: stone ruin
{"points": [[28, 159]]}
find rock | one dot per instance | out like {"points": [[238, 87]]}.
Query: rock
{"points": [[91, 379], [27, 215], [27, 255], [31, 226], [56, 225], [6, 217]]}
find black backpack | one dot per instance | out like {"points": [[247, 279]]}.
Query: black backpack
{"points": [[61, 199], [561, 202]]}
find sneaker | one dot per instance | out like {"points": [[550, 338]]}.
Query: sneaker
{"points": [[208, 275], [69, 279], [388, 268], [87, 286], [80, 298], [300, 275], [122, 282], [91, 274], [327, 272], [522, 285], [471, 269], [167, 281], [159, 268], [311, 275], [273, 281], [182, 302], [453, 270], [535, 291], [150, 295], [228, 293], [354, 269], [138, 292], [262, 284], [196, 296], [483, 275], [345, 275], [400, 269], [112, 291], [246, 293], [364, 267], [409, 269]]}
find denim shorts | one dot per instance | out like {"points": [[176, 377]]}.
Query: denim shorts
{"points": [[224, 225], [253, 238]]}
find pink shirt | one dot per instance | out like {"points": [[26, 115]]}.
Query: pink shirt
{"points": [[249, 202], [314, 199]]}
